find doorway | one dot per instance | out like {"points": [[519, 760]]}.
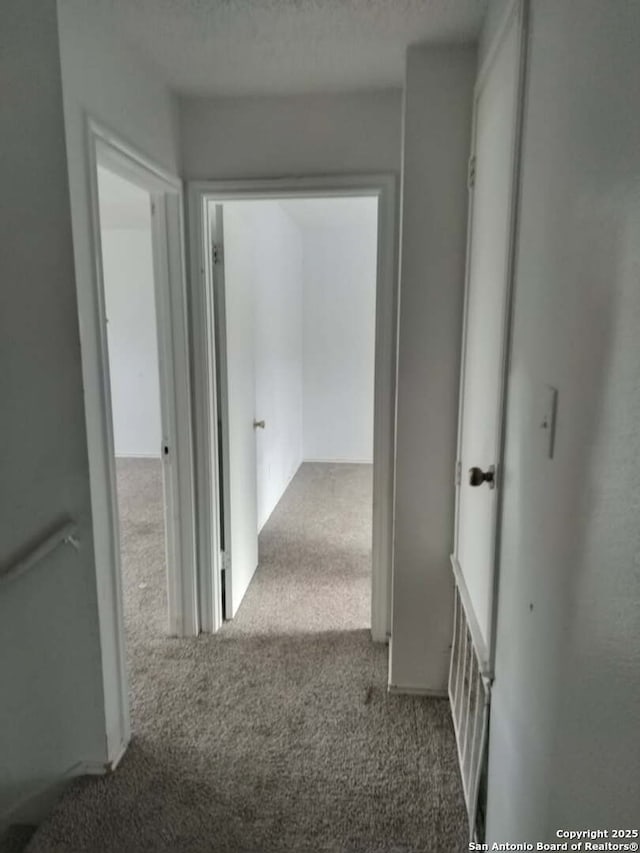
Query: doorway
{"points": [[218, 438], [137, 402], [143, 496], [294, 294]]}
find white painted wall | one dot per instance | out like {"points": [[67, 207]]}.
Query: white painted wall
{"points": [[127, 255], [278, 259], [296, 135], [51, 714], [101, 78], [564, 719], [339, 339], [132, 335], [264, 245], [437, 124], [313, 286]]}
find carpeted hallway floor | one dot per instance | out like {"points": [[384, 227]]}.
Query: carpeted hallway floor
{"points": [[277, 734]]}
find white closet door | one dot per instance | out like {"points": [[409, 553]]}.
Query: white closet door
{"points": [[492, 191]]}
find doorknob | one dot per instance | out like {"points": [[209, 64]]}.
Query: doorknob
{"points": [[258, 424], [477, 476]]}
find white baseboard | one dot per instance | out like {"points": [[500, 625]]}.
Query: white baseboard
{"points": [[138, 456], [382, 639], [340, 461], [34, 806], [111, 766], [284, 489], [412, 690]]}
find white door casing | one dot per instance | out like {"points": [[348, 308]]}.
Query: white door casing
{"points": [[202, 198], [106, 148]]}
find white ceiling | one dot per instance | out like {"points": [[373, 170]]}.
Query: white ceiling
{"points": [[122, 204], [256, 47]]}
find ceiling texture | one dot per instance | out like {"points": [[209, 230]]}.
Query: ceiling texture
{"points": [[285, 47]]}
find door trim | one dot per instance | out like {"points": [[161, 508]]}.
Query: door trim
{"points": [[383, 187], [516, 14], [106, 148]]}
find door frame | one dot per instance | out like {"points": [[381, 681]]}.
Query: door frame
{"points": [[106, 148], [200, 193], [516, 14]]}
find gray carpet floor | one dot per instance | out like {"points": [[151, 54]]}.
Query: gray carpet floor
{"points": [[277, 734]]}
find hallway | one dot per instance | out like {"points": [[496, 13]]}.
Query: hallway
{"points": [[277, 734]]}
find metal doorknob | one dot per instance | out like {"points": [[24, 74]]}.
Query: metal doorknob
{"points": [[477, 476], [258, 424]]}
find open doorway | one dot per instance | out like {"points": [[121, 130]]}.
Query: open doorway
{"points": [[295, 293], [294, 325], [126, 241], [135, 357]]}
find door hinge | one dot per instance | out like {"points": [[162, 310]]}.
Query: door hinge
{"points": [[216, 254], [225, 561], [458, 473], [471, 172]]}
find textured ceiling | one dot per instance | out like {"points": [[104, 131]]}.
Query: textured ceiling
{"points": [[254, 47]]}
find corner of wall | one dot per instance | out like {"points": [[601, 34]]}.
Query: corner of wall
{"points": [[436, 139]]}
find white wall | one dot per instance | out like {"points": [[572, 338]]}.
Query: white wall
{"points": [[313, 330], [437, 124], [339, 340], [102, 78], [272, 248], [564, 718], [127, 256], [51, 714], [278, 280], [297, 135]]}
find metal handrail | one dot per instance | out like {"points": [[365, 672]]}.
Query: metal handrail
{"points": [[63, 534]]}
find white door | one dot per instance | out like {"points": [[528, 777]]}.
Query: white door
{"points": [[489, 268], [235, 355]]}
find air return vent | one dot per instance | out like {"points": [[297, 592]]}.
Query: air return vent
{"points": [[469, 694]]}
